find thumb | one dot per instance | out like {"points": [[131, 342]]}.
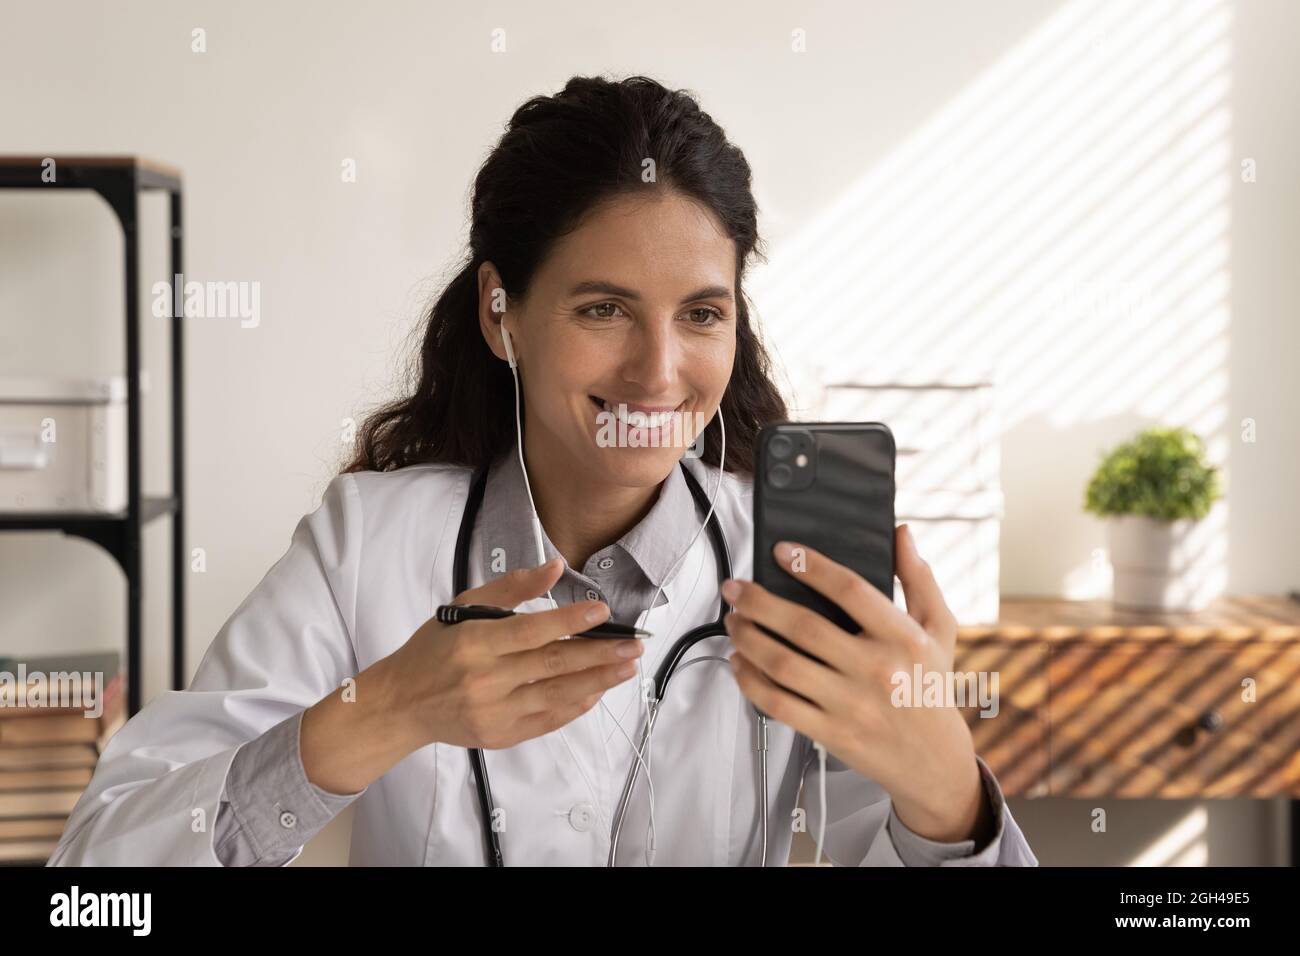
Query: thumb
{"points": [[925, 603], [511, 590]]}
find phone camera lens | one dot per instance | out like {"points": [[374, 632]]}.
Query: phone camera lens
{"points": [[780, 446], [780, 476]]}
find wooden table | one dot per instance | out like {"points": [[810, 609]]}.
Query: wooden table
{"points": [[1096, 701]]}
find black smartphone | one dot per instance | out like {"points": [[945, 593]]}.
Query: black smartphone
{"points": [[829, 485]]}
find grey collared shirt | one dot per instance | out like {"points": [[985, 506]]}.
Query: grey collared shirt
{"points": [[269, 809], [626, 575]]}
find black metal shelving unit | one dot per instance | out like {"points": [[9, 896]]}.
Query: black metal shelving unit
{"points": [[120, 180]]}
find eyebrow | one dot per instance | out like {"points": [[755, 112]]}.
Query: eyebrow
{"points": [[610, 288]]}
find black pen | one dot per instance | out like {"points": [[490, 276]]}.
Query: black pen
{"points": [[455, 613]]}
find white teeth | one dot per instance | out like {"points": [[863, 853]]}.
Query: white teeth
{"points": [[638, 419]]}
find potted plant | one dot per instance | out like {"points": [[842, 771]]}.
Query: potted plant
{"points": [[1152, 491]]}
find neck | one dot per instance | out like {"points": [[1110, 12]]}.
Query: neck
{"points": [[580, 515]]}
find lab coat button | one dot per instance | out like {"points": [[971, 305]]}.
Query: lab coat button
{"points": [[582, 816], [606, 563], [593, 595], [288, 820]]}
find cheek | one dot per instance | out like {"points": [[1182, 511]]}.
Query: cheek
{"points": [[711, 368], [569, 364]]}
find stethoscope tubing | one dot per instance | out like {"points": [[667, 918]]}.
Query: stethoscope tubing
{"points": [[667, 667]]}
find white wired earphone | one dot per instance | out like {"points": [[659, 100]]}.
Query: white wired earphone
{"points": [[642, 759], [541, 559]]}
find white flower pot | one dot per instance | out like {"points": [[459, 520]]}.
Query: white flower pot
{"points": [[1154, 564]]}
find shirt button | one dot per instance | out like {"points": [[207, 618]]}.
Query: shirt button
{"points": [[593, 595], [606, 563], [288, 820], [582, 816]]}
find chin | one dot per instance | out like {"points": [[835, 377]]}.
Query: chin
{"points": [[636, 467]]}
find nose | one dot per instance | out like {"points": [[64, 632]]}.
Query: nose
{"points": [[653, 356]]}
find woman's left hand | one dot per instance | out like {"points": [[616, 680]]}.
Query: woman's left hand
{"points": [[923, 756]]}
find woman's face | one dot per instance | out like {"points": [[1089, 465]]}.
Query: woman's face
{"points": [[634, 308]]}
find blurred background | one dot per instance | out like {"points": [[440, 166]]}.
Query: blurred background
{"points": [[1083, 216]]}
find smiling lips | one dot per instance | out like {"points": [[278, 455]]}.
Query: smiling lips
{"points": [[649, 417]]}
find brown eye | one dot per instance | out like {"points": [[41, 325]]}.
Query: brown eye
{"points": [[705, 316], [591, 310]]}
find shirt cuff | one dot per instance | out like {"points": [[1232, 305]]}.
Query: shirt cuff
{"points": [[916, 850], [275, 809]]}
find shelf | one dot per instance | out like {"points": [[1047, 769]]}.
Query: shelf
{"points": [[120, 181], [85, 172], [151, 507], [112, 531]]}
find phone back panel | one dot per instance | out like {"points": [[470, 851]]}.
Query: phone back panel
{"points": [[844, 508]]}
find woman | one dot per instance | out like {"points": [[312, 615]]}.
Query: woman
{"points": [[611, 227]]}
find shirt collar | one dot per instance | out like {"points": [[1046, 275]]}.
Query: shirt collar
{"points": [[655, 543]]}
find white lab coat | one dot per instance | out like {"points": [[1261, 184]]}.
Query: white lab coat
{"points": [[362, 573]]}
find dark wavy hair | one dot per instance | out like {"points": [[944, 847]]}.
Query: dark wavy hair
{"points": [[560, 157]]}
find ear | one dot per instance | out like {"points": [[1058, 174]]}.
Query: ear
{"points": [[491, 299]]}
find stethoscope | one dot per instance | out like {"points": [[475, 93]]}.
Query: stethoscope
{"points": [[668, 666]]}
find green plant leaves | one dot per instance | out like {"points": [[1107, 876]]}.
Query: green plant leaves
{"points": [[1162, 473]]}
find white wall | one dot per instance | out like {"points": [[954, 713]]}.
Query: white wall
{"points": [[1052, 188]]}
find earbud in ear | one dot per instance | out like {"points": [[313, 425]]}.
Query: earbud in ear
{"points": [[510, 350]]}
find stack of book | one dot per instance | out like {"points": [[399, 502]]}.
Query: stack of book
{"points": [[52, 729]]}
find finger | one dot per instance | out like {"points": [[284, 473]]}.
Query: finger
{"points": [[558, 693], [777, 703], [861, 600], [797, 624], [535, 725], [532, 629], [560, 657], [925, 601], [784, 666], [513, 589]]}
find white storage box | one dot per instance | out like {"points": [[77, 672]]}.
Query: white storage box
{"points": [[62, 444], [958, 533], [948, 479], [946, 435]]}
